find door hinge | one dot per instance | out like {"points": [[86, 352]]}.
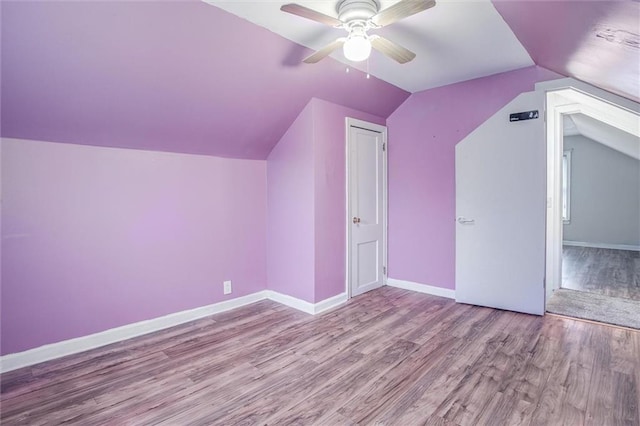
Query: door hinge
{"points": [[384, 146], [384, 270]]}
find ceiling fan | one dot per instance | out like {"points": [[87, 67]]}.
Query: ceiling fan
{"points": [[357, 17]]}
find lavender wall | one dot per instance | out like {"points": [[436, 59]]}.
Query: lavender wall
{"points": [[95, 238], [306, 176], [290, 212], [330, 194], [423, 133]]}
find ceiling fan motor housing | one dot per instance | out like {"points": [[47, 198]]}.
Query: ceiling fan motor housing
{"points": [[357, 17], [356, 10]]}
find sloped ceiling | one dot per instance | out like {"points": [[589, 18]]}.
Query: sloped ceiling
{"points": [[453, 41], [613, 137], [177, 76], [186, 76], [594, 41]]}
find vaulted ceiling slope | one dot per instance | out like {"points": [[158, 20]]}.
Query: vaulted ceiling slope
{"points": [[594, 41], [177, 76], [598, 131], [186, 76], [453, 41]]}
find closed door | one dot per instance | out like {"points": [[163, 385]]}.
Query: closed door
{"points": [[500, 212], [367, 205]]}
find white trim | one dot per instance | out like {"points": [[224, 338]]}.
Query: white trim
{"points": [[303, 305], [330, 303], [385, 197], [290, 301], [81, 344], [347, 204], [601, 245], [585, 88], [422, 288], [107, 337], [566, 198], [568, 96]]}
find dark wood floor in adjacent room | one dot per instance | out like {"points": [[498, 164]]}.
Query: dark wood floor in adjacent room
{"points": [[608, 272], [387, 357]]}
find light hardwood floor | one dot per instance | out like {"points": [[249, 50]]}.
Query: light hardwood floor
{"points": [[387, 357], [614, 273]]}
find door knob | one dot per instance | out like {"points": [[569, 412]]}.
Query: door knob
{"points": [[463, 220], [356, 219]]}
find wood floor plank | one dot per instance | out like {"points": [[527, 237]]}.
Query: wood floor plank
{"points": [[411, 407], [602, 386], [389, 356], [309, 409], [52, 398], [607, 272], [551, 398], [382, 393], [254, 408], [625, 399]]}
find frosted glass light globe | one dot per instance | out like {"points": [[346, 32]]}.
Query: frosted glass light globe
{"points": [[357, 48]]}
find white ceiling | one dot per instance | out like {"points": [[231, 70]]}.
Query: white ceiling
{"points": [[614, 138], [454, 41]]}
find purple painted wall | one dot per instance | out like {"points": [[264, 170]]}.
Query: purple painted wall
{"points": [[290, 212], [423, 133], [330, 194], [306, 179], [95, 238], [179, 76]]}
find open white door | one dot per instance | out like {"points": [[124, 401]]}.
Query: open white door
{"points": [[500, 211], [366, 204]]}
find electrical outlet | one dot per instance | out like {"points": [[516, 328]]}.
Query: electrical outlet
{"points": [[227, 287]]}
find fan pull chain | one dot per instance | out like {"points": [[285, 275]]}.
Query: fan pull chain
{"points": [[348, 69]]}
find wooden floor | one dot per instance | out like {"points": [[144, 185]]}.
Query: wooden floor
{"points": [[608, 272], [387, 357]]}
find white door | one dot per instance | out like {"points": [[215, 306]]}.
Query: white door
{"points": [[367, 205], [500, 211]]}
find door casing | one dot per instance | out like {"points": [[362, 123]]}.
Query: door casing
{"points": [[561, 102], [352, 122]]}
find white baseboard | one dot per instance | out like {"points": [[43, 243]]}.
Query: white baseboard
{"points": [[80, 344], [601, 245], [422, 288], [290, 301], [304, 306], [330, 303]]}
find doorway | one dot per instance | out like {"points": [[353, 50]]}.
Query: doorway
{"points": [[593, 237], [366, 206]]}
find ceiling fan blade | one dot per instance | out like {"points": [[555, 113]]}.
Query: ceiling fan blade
{"points": [[325, 51], [401, 10], [305, 12], [391, 49]]}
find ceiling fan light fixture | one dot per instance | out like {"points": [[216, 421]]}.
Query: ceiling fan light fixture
{"points": [[357, 17], [357, 47]]}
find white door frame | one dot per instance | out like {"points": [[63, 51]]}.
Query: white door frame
{"points": [[562, 102], [385, 140]]}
